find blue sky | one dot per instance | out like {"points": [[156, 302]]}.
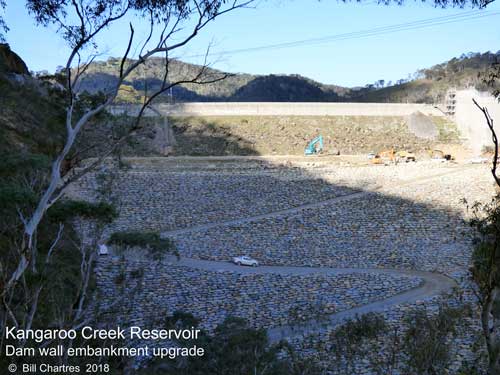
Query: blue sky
{"points": [[350, 62]]}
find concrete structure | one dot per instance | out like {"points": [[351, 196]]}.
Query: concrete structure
{"points": [[458, 107], [450, 102], [286, 109], [470, 120], [164, 139]]}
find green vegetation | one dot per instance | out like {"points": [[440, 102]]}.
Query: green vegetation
{"points": [[485, 273], [151, 241], [418, 345], [53, 291], [234, 348], [102, 74], [31, 119], [428, 85], [426, 344], [63, 210], [349, 341], [10, 62], [13, 164], [13, 196]]}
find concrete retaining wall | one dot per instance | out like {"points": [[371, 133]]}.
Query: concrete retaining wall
{"points": [[286, 109], [471, 121]]}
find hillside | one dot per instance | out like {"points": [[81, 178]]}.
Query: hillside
{"points": [[275, 88], [31, 114], [10, 62], [429, 86], [236, 87]]}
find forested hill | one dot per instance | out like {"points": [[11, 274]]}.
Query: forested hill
{"points": [[236, 87], [427, 85]]}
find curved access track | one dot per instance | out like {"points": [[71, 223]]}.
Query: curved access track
{"points": [[432, 284], [297, 209]]}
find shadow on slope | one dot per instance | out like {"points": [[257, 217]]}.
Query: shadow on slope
{"points": [[285, 213]]}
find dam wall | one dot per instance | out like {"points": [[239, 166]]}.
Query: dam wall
{"points": [[283, 109], [471, 122]]}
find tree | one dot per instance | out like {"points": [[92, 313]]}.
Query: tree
{"points": [[486, 260], [348, 342], [490, 78], [166, 19], [3, 25], [426, 342], [234, 348], [172, 24]]}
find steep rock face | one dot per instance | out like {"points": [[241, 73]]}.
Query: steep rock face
{"points": [[10, 62]]}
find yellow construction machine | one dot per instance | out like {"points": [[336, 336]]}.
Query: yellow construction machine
{"points": [[384, 157], [440, 155], [405, 156], [391, 157]]}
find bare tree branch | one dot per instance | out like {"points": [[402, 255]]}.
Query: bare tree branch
{"points": [[131, 38], [489, 122], [91, 25]]}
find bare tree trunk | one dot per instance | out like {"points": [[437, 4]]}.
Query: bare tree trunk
{"points": [[20, 298], [490, 314], [56, 184], [494, 332]]}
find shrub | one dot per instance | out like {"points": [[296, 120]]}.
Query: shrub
{"points": [[151, 241], [138, 273], [349, 339], [181, 320], [14, 164], [13, 195], [426, 343], [67, 209], [365, 326], [120, 278]]}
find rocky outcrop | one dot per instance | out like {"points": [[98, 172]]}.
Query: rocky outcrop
{"points": [[10, 62]]}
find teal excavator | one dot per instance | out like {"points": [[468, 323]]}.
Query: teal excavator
{"points": [[315, 146]]}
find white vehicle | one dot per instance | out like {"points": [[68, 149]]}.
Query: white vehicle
{"points": [[245, 261], [103, 249]]}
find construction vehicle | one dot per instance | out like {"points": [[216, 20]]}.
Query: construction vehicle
{"points": [[384, 157], [315, 146], [405, 156], [440, 155]]}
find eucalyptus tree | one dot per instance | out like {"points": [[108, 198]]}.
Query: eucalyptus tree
{"points": [[170, 25]]}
